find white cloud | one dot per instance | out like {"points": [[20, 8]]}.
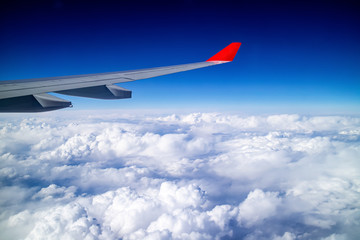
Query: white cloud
{"points": [[286, 236], [257, 207], [55, 192], [195, 176]]}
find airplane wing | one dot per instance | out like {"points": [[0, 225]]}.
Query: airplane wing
{"points": [[31, 95]]}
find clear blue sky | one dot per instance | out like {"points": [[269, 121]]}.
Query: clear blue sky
{"points": [[296, 56]]}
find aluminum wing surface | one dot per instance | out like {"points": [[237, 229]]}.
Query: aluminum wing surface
{"points": [[31, 95]]}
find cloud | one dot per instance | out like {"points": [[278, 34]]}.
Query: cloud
{"points": [[257, 207], [193, 176]]}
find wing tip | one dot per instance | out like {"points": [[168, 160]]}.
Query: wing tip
{"points": [[227, 54]]}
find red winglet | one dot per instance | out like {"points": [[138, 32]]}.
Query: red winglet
{"points": [[227, 54]]}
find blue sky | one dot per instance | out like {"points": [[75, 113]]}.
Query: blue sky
{"points": [[296, 56]]}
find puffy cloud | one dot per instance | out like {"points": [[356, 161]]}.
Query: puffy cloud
{"points": [[257, 207], [194, 176], [55, 192], [286, 236]]}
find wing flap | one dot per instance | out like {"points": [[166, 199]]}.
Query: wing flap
{"points": [[99, 92], [33, 103]]}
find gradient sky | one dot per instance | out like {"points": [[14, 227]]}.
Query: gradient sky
{"points": [[296, 56]]}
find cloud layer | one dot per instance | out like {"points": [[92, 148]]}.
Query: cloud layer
{"points": [[194, 176]]}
